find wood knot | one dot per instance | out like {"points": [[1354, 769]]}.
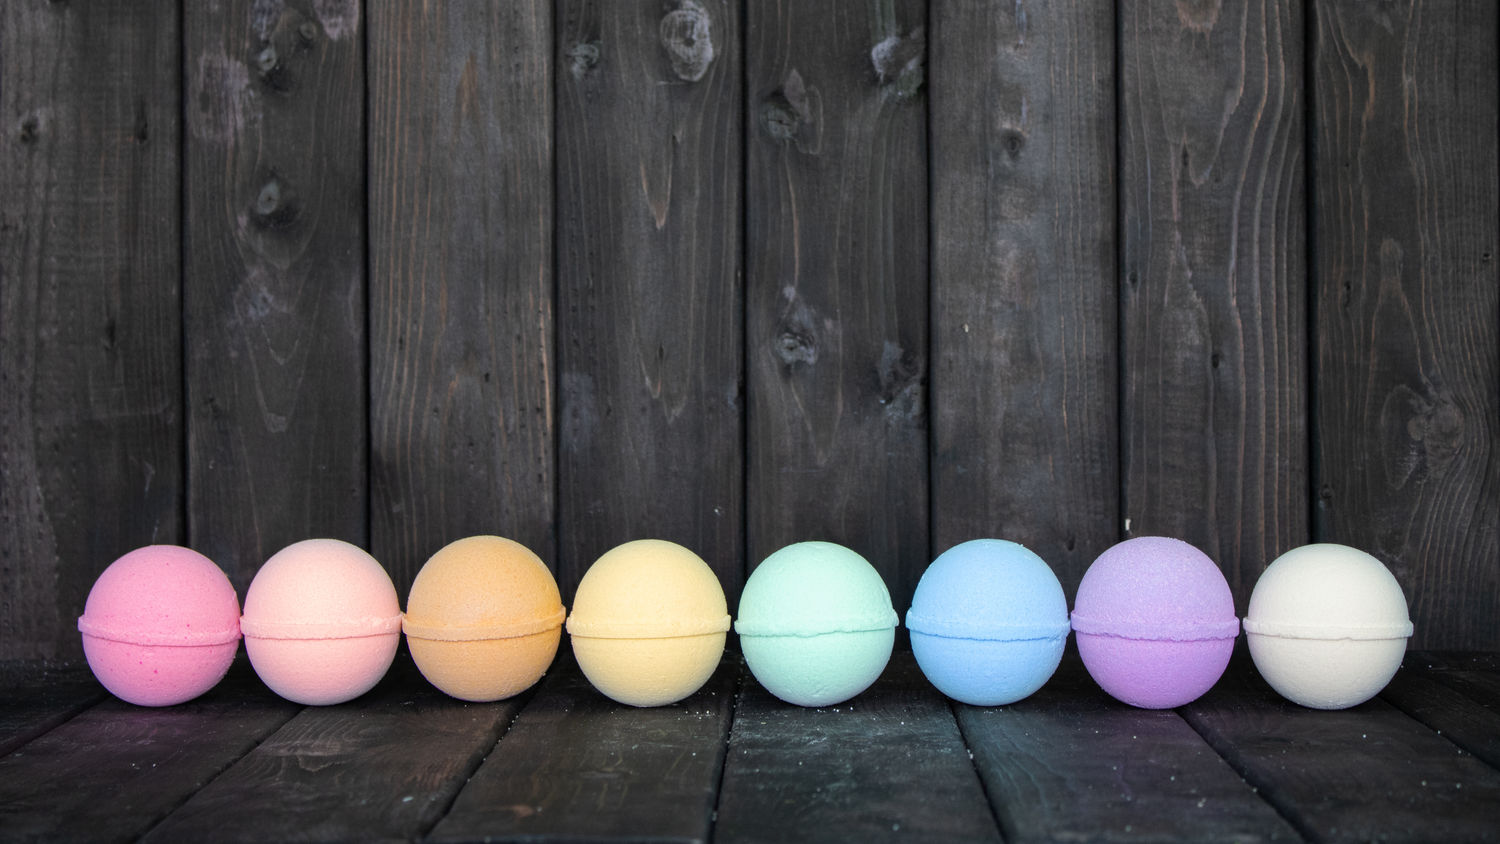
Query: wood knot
{"points": [[276, 204], [30, 130], [582, 58], [792, 113], [688, 38], [898, 62], [794, 347]]}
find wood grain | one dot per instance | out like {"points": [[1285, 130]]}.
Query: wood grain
{"points": [[1024, 297], [837, 282], [1070, 763], [461, 283], [1214, 426], [650, 323], [35, 697], [115, 771], [576, 766], [91, 463], [275, 278], [1407, 304], [1462, 719], [886, 765], [382, 767], [1360, 774]]}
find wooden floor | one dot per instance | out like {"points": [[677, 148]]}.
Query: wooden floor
{"points": [[733, 764]]}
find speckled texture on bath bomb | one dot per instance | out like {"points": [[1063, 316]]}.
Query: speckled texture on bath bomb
{"points": [[1327, 626], [321, 622], [483, 619], [161, 626], [988, 622], [816, 624], [648, 623], [1155, 622]]}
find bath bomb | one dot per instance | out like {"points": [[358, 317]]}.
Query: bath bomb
{"points": [[1155, 622], [321, 622], [483, 618], [1327, 626], [648, 623], [988, 622], [160, 626], [816, 624]]}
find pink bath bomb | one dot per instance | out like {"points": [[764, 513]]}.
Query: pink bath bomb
{"points": [[161, 626], [1155, 622], [321, 622]]}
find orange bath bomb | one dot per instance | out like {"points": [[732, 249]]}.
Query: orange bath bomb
{"points": [[483, 618], [648, 623]]}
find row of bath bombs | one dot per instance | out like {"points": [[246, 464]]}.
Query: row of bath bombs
{"points": [[1327, 624]]}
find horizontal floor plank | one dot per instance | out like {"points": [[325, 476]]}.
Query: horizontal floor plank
{"points": [[1462, 720], [35, 697], [1070, 763], [383, 767], [116, 770], [888, 765], [1365, 773], [578, 767]]}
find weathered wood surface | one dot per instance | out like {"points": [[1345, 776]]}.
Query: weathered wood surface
{"points": [[650, 309], [1070, 763], [577, 766], [1468, 720], [887, 765], [34, 698], [116, 770], [836, 282], [461, 281], [91, 417], [1024, 336], [1213, 304], [1360, 774], [1408, 351], [274, 280], [383, 767]]}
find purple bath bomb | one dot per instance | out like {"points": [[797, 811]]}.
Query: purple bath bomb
{"points": [[1155, 622]]}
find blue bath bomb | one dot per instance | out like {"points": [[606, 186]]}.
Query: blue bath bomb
{"points": [[988, 622], [816, 624]]}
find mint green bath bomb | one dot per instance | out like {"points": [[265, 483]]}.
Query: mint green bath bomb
{"points": [[816, 624]]}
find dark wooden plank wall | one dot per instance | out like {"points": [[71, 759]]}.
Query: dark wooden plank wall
{"points": [[896, 274]]}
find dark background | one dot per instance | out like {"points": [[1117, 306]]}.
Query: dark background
{"points": [[739, 273]]}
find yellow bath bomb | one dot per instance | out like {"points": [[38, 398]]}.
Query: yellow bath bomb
{"points": [[483, 618], [648, 623]]}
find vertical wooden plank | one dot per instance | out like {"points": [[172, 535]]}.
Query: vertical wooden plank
{"points": [[836, 289], [1214, 313], [1407, 305], [1024, 305], [90, 284], [649, 296], [461, 319], [274, 277]]}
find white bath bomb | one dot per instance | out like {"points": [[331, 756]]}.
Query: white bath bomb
{"points": [[1327, 626]]}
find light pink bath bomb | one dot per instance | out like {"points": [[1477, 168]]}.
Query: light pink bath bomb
{"points": [[1155, 622], [161, 626], [321, 622]]}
